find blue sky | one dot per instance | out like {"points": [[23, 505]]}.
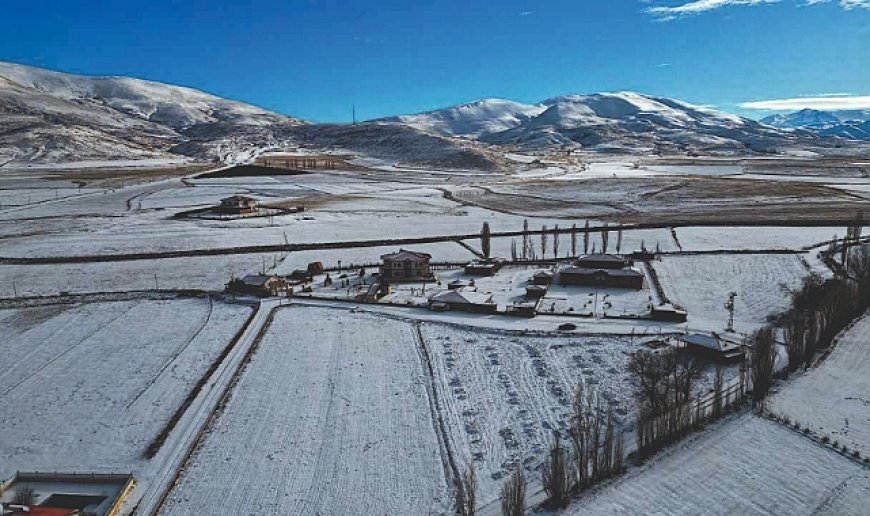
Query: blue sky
{"points": [[316, 58]]}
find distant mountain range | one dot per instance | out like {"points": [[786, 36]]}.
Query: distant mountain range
{"points": [[50, 117], [851, 124], [607, 122]]}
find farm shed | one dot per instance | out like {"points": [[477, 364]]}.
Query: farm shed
{"points": [[56, 494], [238, 204], [542, 277], [463, 300], [259, 285], [711, 347], [604, 270], [668, 312], [484, 267], [536, 291], [406, 266], [603, 261]]}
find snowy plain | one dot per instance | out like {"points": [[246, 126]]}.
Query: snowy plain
{"points": [[833, 399], [87, 387], [331, 416], [746, 465]]}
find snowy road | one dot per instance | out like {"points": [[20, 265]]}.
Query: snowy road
{"points": [[187, 432]]}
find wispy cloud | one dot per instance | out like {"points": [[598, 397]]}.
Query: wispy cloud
{"points": [[670, 12], [527, 13], [832, 102]]}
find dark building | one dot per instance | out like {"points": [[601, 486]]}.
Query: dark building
{"points": [[711, 347], [406, 266], [484, 268], [238, 205], [463, 300], [259, 285], [602, 270]]}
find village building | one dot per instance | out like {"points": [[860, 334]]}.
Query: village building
{"points": [[536, 291], [238, 205], [484, 267], [711, 347], [464, 300], [260, 285], [406, 266], [602, 270], [458, 284], [668, 312], [543, 278], [64, 494]]}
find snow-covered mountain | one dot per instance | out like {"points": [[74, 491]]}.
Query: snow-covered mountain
{"points": [[473, 119], [849, 124], [633, 122], [49, 116]]}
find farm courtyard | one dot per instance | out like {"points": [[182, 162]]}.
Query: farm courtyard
{"points": [[124, 352]]}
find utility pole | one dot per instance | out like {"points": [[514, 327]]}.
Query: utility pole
{"points": [[353, 111], [729, 305]]}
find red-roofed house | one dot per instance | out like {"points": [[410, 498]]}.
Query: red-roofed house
{"points": [[406, 266]]}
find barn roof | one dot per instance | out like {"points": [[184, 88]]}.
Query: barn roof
{"points": [[462, 297], [256, 280], [238, 198], [711, 342], [624, 272], [406, 256], [612, 258]]}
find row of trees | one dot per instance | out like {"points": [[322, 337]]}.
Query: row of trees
{"points": [[821, 308], [595, 451], [513, 493], [551, 241]]}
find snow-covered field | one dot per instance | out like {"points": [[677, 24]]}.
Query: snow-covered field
{"points": [[87, 387], [743, 466], [441, 252], [834, 399], [702, 283], [331, 416], [197, 273], [758, 238], [503, 394]]}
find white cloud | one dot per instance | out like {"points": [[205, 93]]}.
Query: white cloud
{"points": [[822, 103], [700, 6], [664, 12]]}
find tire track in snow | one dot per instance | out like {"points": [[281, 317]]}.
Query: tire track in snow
{"points": [[35, 372]]}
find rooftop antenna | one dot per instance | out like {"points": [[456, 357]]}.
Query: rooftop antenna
{"points": [[729, 305]]}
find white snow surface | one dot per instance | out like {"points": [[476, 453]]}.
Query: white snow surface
{"points": [[472, 119], [174, 106], [331, 416], [701, 284], [743, 466], [834, 398], [87, 387]]}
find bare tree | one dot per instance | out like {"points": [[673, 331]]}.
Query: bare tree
{"points": [[24, 495], [465, 493], [586, 238], [556, 241], [513, 494], [574, 239], [619, 239], [762, 363], [556, 474], [485, 240], [544, 241], [525, 239], [605, 238], [513, 250]]}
